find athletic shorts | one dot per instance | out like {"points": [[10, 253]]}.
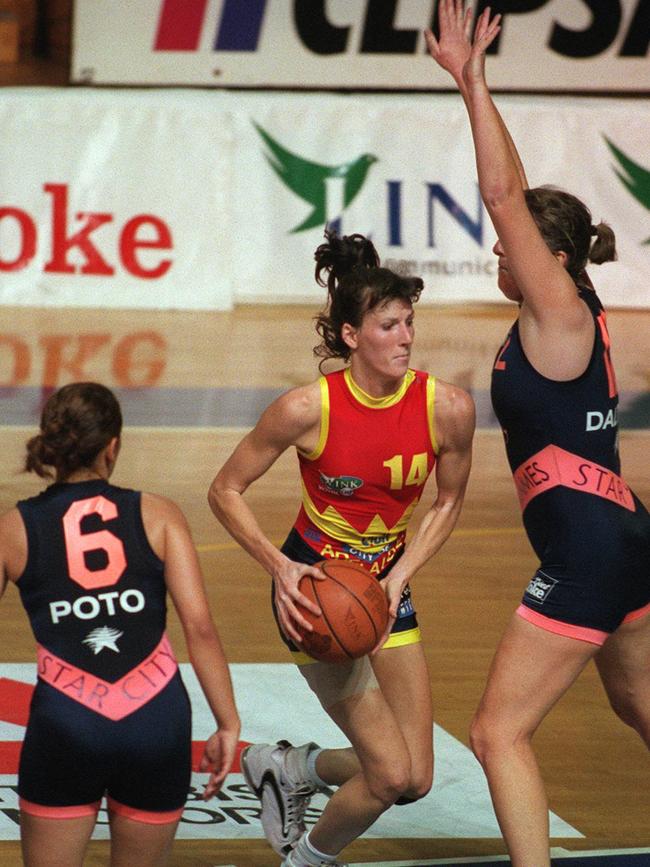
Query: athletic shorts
{"points": [[594, 573], [72, 756], [405, 629]]}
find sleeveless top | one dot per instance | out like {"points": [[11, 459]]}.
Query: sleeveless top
{"points": [[365, 477]]}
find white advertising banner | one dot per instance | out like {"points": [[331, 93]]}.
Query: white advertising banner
{"points": [[575, 45], [195, 199], [113, 200]]}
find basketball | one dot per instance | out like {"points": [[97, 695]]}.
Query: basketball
{"points": [[354, 612]]}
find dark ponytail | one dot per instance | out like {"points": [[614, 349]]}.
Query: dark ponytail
{"points": [[349, 267], [77, 422]]}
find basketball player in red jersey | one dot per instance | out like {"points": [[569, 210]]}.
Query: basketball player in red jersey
{"points": [[553, 376], [367, 438], [93, 563]]}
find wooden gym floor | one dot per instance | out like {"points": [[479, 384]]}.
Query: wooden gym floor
{"points": [[191, 383]]}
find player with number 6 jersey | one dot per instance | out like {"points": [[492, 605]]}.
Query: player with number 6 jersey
{"points": [[93, 563]]}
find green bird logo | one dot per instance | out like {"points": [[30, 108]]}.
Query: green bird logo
{"points": [[634, 177], [328, 189]]}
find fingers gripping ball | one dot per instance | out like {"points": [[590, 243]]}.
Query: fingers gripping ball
{"points": [[354, 612]]}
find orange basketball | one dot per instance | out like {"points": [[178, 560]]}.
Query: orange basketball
{"points": [[354, 611]]}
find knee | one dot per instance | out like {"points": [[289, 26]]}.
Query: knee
{"points": [[420, 784], [628, 711], [489, 737], [390, 783]]}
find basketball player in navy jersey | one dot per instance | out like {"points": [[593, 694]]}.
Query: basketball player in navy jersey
{"points": [[554, 392], [110, 715]]}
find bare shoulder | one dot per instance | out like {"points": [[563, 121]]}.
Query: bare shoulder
{"points": [[299, 403], [13, 544], [160, 511], [292, 415], [11, 525], [455, 413]]}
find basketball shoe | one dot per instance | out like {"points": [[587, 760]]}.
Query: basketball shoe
{"points": [[277, 774], [291, 861]]}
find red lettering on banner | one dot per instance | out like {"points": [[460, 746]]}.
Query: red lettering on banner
{"points": [[85, 347], [136, 360], [20, 356], [61, 243], [75, 249], [130, 243], [128, 359], [180, 24], [27, 246]]}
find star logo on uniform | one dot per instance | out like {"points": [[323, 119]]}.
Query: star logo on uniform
{"points": [[103, 637]]}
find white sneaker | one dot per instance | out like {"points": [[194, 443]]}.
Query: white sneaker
{"points": [[284, 796], [290, 861]]}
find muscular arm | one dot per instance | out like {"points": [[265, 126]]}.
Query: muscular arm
{"points": [[555, 325], [292, 420], [170, 538], [13, 548], [454, 424]]}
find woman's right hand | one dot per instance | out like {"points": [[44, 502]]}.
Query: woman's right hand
{"points": [[484, 34], [452, 49], [289, 600]]}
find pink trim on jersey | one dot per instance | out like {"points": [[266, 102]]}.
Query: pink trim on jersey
{"points": [[148, 816], [569, 630], [553, 466], [638, 614], [113, 700], [45, 812]]}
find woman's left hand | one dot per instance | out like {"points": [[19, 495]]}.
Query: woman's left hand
{"points": [[218, 757], [393, 587]]}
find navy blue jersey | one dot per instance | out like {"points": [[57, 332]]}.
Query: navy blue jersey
{"points": [[589, 530], [579, 415], [93, 588]]}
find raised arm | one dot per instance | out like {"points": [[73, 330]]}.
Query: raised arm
{"points": [[170, 538], [555, 325], [292, 420], [452, 51], [454, 426]]}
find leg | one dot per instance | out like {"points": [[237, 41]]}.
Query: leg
{"points": [[404, 680], [140, 843], [384, 770], [531, 670], [624, 667], [54, 842]]}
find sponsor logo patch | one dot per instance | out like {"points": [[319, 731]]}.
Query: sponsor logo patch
{"points": [[540, 586]]}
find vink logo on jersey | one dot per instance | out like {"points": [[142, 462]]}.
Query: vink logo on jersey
{"points": [[344, 485], [327, 189], [634, 177]]}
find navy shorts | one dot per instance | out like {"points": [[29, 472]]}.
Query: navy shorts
{"points": [[72, 756]]}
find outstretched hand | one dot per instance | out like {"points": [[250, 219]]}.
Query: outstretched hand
{"points": [[451, 51], [455, 50]]}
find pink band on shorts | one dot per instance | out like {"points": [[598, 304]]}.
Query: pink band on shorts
{"points": [[44, 812], [553, 466], [147, 816], [569, 630], [112, 700], [638, 614]]}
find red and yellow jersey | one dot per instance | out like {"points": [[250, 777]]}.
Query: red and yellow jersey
{"points": [[365, 477]]}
